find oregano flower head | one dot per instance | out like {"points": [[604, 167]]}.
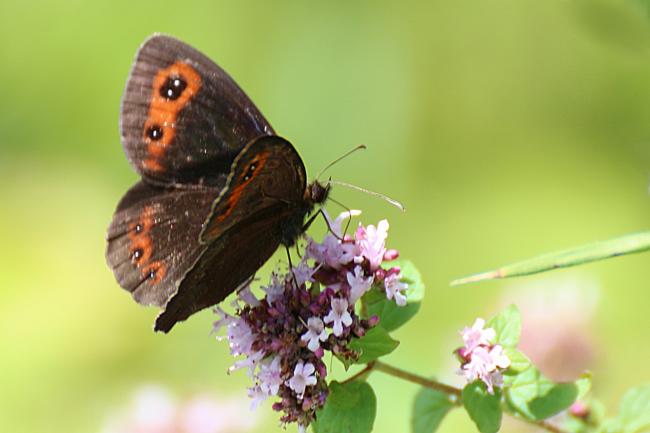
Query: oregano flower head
{"points": [[306, 312], [480, 358]]}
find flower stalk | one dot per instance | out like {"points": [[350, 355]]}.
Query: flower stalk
{"points": [[455, 394]]}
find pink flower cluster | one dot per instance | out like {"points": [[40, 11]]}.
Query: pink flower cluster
{"points": [[284, 336], [480, 358]]}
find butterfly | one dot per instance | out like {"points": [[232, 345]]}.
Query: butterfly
{"points": [[219, 190]]}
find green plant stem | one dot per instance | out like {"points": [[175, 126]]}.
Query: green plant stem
{"points": [[435, 385], [427, 383], [367, 370]]}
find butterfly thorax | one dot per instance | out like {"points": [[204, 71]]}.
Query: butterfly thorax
{"points": [[294, 227]]}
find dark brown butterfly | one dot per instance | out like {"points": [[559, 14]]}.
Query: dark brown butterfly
{"points": [[219, 190]]}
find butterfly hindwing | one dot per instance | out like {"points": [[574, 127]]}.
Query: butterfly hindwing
{"points": [[153, 238], [227, 263], [183, 119]]}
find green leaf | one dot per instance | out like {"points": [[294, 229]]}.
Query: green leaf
{"points": [[392, 316], [507, 326], [628, 244], [350, 408], [633, 414], [412, 277], [535, 397], [347, 363], [484, 408], [584, 385], [377, 342], [518, 361], [429, 409]]}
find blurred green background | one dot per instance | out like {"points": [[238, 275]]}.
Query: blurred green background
{"points": [[508, 128]]}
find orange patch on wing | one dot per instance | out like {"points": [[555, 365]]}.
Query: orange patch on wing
{"points": [[163, 111], [152, 164]]}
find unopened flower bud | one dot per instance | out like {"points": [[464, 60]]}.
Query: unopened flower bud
{"points": [[391, 255], [579, 410]]}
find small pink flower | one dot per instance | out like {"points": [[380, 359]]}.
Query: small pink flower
{"points": [[499, 359], [394, 288], [257, 396], [339, 316], [477, 367], [372, 243], [270, 376], [250, 362], [315, 333], [486, 364], [359, 284], [476, 335], [492, 380], [303, 376], [332, 252], [482, 360], [337, 224], [275, 289], [240, 337], [303, 273], [247, 296], [224, 319]]}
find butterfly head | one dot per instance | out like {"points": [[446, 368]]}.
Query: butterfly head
{"points": [[317, 193]]}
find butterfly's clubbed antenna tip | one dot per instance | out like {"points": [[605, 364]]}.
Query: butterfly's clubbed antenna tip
{"points": [[345, 155]]}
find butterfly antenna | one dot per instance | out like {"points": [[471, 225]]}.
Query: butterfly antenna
{"points": [[345, 155], [392, 201]]}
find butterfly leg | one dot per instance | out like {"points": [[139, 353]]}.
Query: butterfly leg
{"points": [[349, 211], [327, 222], [295, 280]]}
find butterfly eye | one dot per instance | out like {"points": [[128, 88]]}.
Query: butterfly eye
{"points": [[173, 88], [250, 172]]}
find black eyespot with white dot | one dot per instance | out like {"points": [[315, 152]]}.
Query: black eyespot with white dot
{"points": [[250, 172], [173, 88], [137, 254], [138, 228], [152, 273], [154, 132]]}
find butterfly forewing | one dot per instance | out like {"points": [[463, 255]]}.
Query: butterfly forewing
{"points": [[267, 171], [183, 118], [153, 239], [246, 226]]}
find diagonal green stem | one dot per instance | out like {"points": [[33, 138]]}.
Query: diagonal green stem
{"points": [[427, 383], [454, 392]]}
